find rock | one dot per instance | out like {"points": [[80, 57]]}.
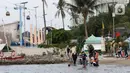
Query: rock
{"points": [[44, 53]]}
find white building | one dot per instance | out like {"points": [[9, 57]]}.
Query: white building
{"points": [[104, 8], [11, 31]]}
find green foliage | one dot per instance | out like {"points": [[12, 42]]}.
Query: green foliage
{"points": [[95, 22], [80, 44], [61, 10], [119, 39], [77, 31], [59, 36]]}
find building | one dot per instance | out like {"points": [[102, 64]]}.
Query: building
{"points": [[104, 8], [11, 31]]}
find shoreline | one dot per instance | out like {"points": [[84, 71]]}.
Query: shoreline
{"points": [[32, 61]]}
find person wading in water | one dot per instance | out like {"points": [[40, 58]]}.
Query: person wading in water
{"points": [[74, 56], [84, 59]]}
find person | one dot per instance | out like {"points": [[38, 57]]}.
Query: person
{"points": [[91, 53], [74, 56], [95, 61], [119, 51], [84, 59], [68, 51], [125, 51], [70, 58]]}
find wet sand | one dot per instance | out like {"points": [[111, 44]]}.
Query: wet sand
{"points": [[115, 61]]}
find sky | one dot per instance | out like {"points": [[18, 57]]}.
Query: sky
{"points": [[50, 11]]}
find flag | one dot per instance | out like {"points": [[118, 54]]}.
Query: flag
{"points": [[102, 25], [117, 34]]}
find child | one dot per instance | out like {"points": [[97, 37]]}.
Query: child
{"points": [[95, 61], [84, 59]]}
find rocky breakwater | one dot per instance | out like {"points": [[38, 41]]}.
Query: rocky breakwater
{"points": [[36, 59]]}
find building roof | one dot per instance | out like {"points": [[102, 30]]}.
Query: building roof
{"points": [[93, 40], [16, 22]]}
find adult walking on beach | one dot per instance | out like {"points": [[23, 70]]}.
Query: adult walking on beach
{"points": [[70, 58], [125, 47], [74, 56], [68, 51]]}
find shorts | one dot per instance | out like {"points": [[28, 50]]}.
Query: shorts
{"points": [[84, 62]]}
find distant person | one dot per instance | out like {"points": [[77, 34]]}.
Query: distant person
{"points": [[91, 53], [70, 58], [95, 61], [74, 56], [84, 59], [119, 51], [68, 51], [126, 51]]}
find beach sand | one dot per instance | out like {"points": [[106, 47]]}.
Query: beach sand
{"points": [[115, 61]]}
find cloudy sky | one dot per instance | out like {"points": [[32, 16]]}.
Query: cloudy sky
{"points": [[50, 11]]}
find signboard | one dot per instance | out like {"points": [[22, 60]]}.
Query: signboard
{"points": [[119, 9]]}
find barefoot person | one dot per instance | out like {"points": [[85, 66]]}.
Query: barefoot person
{"points": [[68, 51], [95, 61], [84, 59], [70, 58], [74, 56]]}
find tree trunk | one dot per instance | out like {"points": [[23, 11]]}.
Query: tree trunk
{"points": [[44, 21], [85, 18], [63, 23]]}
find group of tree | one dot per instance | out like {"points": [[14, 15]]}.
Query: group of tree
{"points": [[94, 26]]}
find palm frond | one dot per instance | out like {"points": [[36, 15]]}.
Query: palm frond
{"points": [[45, 2], [61, 4], [57, 13], [92, 3], [73, 7], [90, 11], [62, 14], [55, 4]]}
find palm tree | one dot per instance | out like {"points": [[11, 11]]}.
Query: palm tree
{"points": [[84, 7], [60, 7]]}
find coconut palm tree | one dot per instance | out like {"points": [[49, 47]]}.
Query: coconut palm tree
{"points": [[83, 7], [60, 6]]}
